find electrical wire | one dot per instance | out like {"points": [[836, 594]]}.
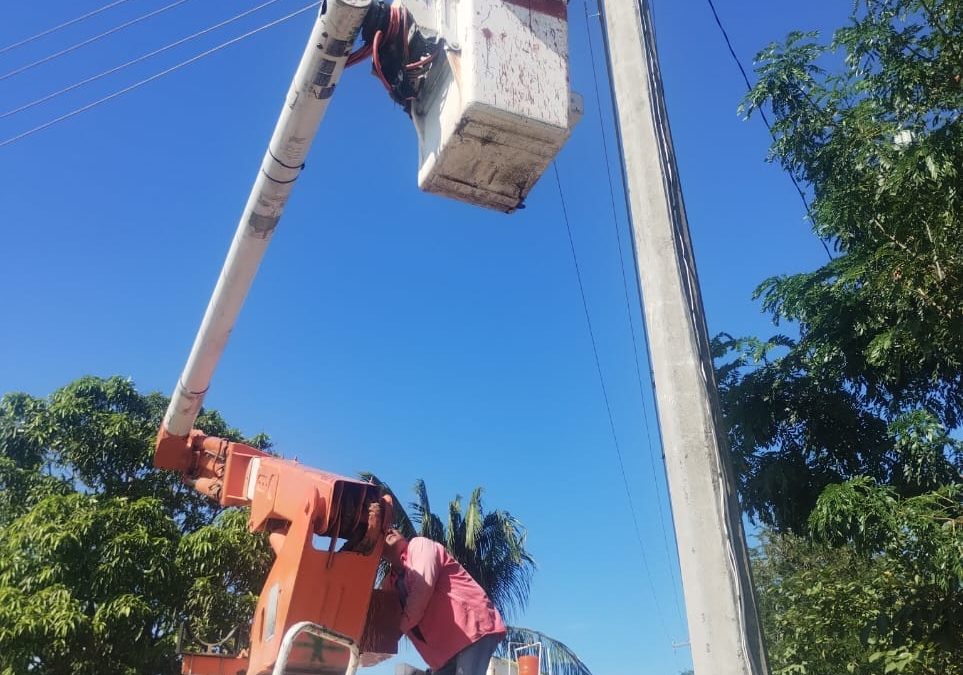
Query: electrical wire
{"points": [[389, 48], [376, 59], [144, 57], [737, 554], [358, 56], [394, 25], [156, 76], [71, 22], [628, 311], [765, 120], [608, 406], [90, 40], [415, 65]]}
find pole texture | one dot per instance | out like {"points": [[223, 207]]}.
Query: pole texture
{"points": [[724, 629]]}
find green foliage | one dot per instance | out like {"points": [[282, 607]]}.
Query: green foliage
{"points": [[843, 436], [880, 142], [87, 582], [791, 432], [834, 609], [224, 568], [870, 121], [923, 534], [491, 548], [24, 478], [102, 558], [815, 602]]}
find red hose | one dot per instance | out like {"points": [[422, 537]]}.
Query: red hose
{"points": [[376, 59]]}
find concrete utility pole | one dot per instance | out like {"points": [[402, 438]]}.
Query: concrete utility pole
{"points": [[723, 625]]}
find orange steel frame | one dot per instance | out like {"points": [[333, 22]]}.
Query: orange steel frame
{"points": [[294, 504]]}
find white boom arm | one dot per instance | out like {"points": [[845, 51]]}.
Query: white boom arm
{"points": [[321, 66]]}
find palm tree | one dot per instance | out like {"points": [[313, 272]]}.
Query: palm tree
{"points": [[557, 658], [491, 548]]}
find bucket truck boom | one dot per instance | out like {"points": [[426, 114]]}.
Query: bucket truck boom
{"points": [[485, 83]]}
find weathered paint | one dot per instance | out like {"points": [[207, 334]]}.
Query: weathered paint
{"points": [[499, 112], [556, 8], [320, 68], [294, 503], [724, 629]]}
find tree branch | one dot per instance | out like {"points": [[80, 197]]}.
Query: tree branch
{"points": [[932, 303], [933, 20]]}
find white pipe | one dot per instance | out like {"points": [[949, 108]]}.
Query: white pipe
{"points": [[313, 84]]}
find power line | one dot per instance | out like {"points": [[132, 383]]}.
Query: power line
{"points": [[608, 406], [71, 22], [134, 61], [120, 92], [732, 52], [84, 43], [735, 551], [628, 311], [765, 120]]}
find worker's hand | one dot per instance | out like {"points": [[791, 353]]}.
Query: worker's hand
{"points": [[374, 517], [373, 532]]}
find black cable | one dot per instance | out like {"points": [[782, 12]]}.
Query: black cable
{"points": [[608, 406], [628, 311], [54, 29], [155, 76], [765, 120], [134, 61], [736, 550], [90, 40]]}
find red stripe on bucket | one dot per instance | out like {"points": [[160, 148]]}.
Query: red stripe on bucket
{"points": [[556, 8]]}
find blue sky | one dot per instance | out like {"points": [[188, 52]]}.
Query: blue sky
{"points": [[389, 330]]}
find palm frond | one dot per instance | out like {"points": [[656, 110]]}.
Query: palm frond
{"points": [[474, 521], [506, 566], [454, 540], [491, 548], [429, 525], [557, 658]]}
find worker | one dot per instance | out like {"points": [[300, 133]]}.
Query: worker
{"points": [[445, 613]]}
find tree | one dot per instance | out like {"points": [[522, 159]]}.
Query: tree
{"points": [[87, 581], [842, 435], [877, 589], [102, 558], [23, 480], [879, 142], [557, 658], [491, 548]]}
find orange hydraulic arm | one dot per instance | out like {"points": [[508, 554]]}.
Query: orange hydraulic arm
{"points": [[331, 586], [325, 583]]}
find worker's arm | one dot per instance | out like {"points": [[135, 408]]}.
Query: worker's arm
{"points": [[423, 566]]}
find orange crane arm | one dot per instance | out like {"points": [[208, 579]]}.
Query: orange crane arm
{"points": [[327, 532]]}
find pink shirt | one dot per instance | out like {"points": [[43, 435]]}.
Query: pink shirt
{"points": [[445, 610]]}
